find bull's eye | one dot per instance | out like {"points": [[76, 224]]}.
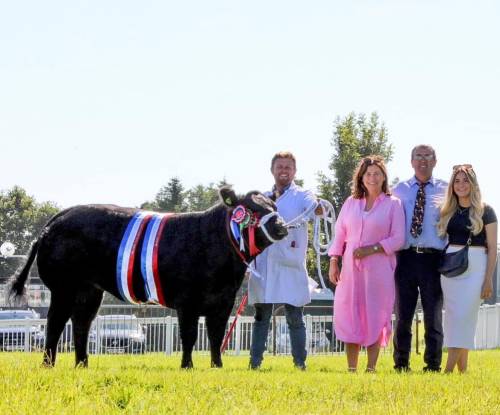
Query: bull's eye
{"points": [[254, 220]]}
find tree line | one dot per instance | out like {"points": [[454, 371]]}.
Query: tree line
{"points": [[354, 137]]}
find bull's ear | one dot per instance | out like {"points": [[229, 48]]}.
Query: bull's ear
{"points": [[228, 197], [259, 199]]}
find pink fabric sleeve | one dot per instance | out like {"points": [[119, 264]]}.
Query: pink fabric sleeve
{"points": [[397, 234], [337, 247]]}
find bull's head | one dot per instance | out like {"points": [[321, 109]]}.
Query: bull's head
{"points": [[255, 222]]}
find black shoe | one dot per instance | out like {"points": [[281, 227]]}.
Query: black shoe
{"points": [[402, 369], [432, 369], [300, 366], [253, 366]]}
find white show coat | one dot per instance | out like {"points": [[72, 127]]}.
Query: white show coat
{"points": [[282, 266]]}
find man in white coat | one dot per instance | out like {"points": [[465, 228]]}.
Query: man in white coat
{"points": [[281, 267]]}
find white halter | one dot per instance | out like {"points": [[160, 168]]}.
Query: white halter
{"points": [[262, 224]]}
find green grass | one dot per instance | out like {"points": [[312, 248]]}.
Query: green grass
{"points": [[154, 384]]}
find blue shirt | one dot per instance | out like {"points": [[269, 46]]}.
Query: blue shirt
{"points": [[275, 194], [435, 192]]}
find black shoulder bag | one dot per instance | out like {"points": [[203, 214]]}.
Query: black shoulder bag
{"points": [[455, 263]]}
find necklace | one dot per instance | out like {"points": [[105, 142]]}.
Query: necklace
{"points": [[462, 210]]}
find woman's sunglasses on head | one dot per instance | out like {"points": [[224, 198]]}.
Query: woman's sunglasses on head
{"points": [[371, 160], [463, 166]]}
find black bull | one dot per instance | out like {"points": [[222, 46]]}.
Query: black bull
{"points": [[200, 270]]}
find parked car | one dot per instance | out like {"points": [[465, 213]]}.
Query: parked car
{"points": [[17, 335], [317, 340], [117, 334]]}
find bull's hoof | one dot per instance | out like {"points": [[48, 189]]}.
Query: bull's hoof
{"points": [[216, 364], [187, 365], [47, 365], [81, 365]]}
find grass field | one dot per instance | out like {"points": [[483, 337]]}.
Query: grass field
{"points": [[154, 384]]}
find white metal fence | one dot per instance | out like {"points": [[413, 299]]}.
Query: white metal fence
{"points": [[488, 327], [161, 334]]}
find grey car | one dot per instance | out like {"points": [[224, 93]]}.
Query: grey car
{"points": [[117, 334]]}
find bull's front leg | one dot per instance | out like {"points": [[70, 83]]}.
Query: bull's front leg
{"points": [[188, 325], [216, 328]]}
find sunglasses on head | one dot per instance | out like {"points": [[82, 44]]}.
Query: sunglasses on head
{"points": [[464, 166], [370, 160]]}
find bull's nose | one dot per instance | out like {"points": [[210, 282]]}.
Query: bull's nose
{"points": [[282, 231]]}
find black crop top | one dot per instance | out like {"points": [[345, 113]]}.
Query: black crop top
{"points": [[458, 227]]}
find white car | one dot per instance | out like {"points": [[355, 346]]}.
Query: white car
{"points": [[16, 333], [117, 334], [316, 341]]}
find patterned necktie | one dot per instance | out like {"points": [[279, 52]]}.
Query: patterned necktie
{"points": [[418, 211]]}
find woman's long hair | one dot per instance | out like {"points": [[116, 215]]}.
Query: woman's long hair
{"points": [[450, 205], [358, 189]]}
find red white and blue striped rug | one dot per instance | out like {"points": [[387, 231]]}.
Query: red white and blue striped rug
{"points": [[150, 225]]}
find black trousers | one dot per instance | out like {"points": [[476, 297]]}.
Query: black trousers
{"points": [[418, 273]]}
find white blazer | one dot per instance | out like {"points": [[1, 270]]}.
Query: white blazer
{"points": [[282, 266]]}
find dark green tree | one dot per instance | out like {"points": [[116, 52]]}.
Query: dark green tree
{"points": [[170, 198], [354, 137], [21, 220]]}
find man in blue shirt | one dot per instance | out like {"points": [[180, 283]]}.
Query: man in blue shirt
{"points": [[418, 261]]}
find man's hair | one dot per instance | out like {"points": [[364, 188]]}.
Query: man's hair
{"points": [[426, 146], [283, 155]]}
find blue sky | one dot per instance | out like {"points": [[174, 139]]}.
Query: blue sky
{"points": [[105, 101]]}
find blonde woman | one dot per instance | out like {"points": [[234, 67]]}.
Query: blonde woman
{"points": [[464, 215]]}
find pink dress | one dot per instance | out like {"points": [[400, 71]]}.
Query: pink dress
{"points": [[364, 298]]}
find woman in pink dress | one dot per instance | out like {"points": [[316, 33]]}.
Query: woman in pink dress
{"points": [[369, 230]]}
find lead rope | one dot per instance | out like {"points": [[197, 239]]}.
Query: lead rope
{"points": [[323, 233], [303, 218], [323, 230]]}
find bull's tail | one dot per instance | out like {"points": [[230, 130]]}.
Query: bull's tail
{"points": [[18, 281]]}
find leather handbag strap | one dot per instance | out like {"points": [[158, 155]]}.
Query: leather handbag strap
{"points": [[469, 241]]}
